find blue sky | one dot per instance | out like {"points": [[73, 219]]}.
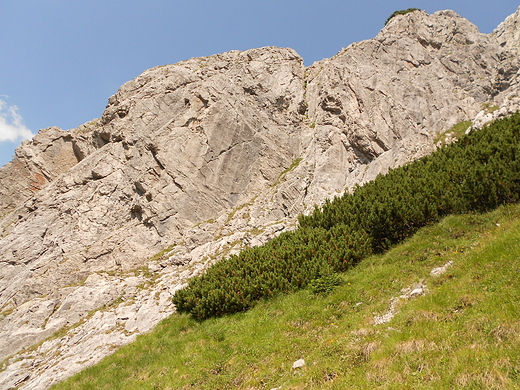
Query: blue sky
{"points": [[62, 59]]}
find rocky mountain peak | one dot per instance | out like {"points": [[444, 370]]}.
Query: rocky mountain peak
{"points": [[507, 33], [194, 161], [441, 27]]}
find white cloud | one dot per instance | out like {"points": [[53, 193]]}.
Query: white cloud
{"points": [[11, 124]]}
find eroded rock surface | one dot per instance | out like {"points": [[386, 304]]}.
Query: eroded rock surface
{"points": [[211, 155], [507, 33], [36, 164]]}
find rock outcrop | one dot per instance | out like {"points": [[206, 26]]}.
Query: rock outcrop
{"points": [[507, 33], [191, 162], [36, 164]]}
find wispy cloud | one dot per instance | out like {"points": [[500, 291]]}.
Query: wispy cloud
{"points": [[11, 124]]}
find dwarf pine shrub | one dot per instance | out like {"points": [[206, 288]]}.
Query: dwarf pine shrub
{"points": [[326, 284], [287, 263]]}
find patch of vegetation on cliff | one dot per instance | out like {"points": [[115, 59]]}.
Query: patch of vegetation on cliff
{"points": [[489, 107], [463, 333], [454, 133], [402, 12], [282, 175]]}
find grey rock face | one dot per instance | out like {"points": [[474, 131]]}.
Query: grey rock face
{"points": [[35, 164], [211, 155], [507, 33]]}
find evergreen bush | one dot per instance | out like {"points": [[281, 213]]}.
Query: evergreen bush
{"points": [[325, 284]]}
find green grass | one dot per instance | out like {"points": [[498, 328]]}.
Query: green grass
{"points": [[282, 175], [456, 131], [161, 255], [489, 108], [463, 334]]}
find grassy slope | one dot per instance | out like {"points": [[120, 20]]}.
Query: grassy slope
{"points": [[464, 333]]}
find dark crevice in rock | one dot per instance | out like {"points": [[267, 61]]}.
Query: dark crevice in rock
{"points": [[78, 153], [331, 104], [153, 149], [100, 138], [139, 188], [136, 212], [205, 102]]}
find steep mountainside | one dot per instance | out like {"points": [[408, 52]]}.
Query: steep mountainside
{"points": [[210, 155]]}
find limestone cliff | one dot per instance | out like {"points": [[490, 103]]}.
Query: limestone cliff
{"points": [[197, 160]]}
